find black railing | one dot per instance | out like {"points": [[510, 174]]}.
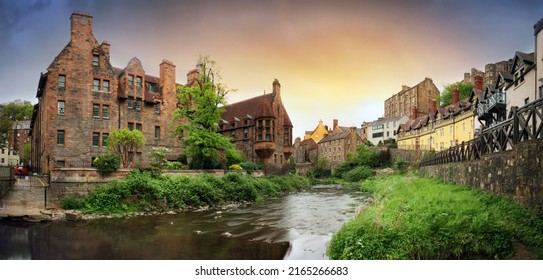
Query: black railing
{"points": [[525, 124]]}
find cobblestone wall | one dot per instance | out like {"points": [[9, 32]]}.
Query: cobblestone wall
{"points": [[516, 173]]}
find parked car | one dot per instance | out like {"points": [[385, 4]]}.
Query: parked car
{"points": [[21, 170]]}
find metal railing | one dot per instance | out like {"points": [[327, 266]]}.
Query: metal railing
{"points": [[525, 124]]}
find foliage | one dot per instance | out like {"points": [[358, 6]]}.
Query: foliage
{"points": [[107, 163], [201, 105], [401, 165], [123, 141], [248, 166], [158, 157], [235, 167], [146, 191], [422, 218], [321, 168], [365, 156], [11, 112], [175, 165], [445, 98], [391, 143], [358, 174], [70, 202], [25, 155]]}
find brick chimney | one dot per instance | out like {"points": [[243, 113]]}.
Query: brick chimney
{"points": [[276, 87], [455, 95], [478, 82], [167, 77], [335, 123], [434, 106], [192, 75], [414, 114], [404, 87], [105, 46], [81, 27]]}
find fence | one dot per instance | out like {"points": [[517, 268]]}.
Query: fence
{"points": [[525, 124], [7, 180]]}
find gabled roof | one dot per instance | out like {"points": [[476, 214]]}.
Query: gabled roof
{"points": [[523, 59], [336, 136], [256, 107]]}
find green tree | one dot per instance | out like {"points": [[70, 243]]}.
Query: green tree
{"points": [[123, 142], [158, 157], [25, 155], [445, 98], [201, 106], [9, 113]]}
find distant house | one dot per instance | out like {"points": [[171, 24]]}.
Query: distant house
{"points": [[337, 145], [382, 129], [420, 96], [261, 128]]}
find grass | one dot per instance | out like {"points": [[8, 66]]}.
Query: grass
{"points": [[423, 218], [148, 191]]}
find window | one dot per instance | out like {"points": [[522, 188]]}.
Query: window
{"points": [[60, 137], [131, 80], [95, 111], [540, 91], [377, 135], [388, 133], [105, 86], [61, 82], [157, 108], [138, 104], [157, 132], [260, 129], [131, 126], [138, 158], [96, 85], [104, 139], [286, 139], [105, 112], [526, 101], [267, 129], [61, 107], [95, 60], [138, 126], [130, 103], [95, 139], [245, 133], [138, 82], [131, 158], [151, 87], [61, 163]]}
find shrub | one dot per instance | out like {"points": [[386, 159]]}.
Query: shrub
{"points": [[357, 174], [401, 165], [235, 167], [107, 163], [248, 166], [158, 157], [70, 202], [176, 165]]}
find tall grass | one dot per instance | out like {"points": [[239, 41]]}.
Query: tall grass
{"points": [[422, 218], [147, 191]]}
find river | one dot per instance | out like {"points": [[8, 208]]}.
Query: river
{"points": [[297, 226]]}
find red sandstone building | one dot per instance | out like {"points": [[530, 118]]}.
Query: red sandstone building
{"points": [[261, 129], [82, 97]]}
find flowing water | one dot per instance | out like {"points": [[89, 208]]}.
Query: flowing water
{"points": [[297, 226]]}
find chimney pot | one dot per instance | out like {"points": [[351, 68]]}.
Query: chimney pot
{"points": [[335, 123], [414, 115], [455, 95]]}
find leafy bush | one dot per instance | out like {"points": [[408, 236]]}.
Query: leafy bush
{"points": [[174, 165], [357, 174], [235, 167], [70, 202], [401, 165], [158, 157], [248, 166], [107, 163]]}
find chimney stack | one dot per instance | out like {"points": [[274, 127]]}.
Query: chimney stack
{"points": [[414, 115], [276, 87], [105, 47], [434, 106], [478, 82], [404, 87], [81, 27], [455, 95], [335, 123]]}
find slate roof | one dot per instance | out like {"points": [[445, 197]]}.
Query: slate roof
{"points": [[255, 107], [336, 136]]}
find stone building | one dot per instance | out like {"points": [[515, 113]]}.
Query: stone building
{"points": [[20, 136], [419, 96], [261, 129], [341, 142], [82, 98], [305, 151]]}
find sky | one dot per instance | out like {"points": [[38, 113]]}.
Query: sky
{"points": [[334, 59]]}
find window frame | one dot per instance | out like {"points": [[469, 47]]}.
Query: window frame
{"points": [[105, 86], [96, 84], [95, 60], [61, 137], [61, 83], [105, 112], [61, 110], [96, 139], [96, 111]]}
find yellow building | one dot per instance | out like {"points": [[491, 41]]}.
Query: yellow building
{"points": [[318, 133], [444, 128]]}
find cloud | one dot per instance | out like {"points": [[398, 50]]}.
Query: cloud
{"points": [[14, 13]]}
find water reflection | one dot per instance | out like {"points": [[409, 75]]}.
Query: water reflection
{"points": [[297, 226]]}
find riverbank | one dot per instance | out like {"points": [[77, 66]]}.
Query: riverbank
{"points": [[423, 218], [148, 193]]}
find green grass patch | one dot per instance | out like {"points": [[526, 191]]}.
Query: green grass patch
{"points": [[423, 218], [148, 191]]}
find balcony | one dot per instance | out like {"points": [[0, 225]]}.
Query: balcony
{"points": [[496, 101], [264, 150]]}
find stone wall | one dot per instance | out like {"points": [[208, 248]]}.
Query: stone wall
{"points": [[516, 173], [412, 156]]}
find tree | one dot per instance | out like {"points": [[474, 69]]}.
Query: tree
{"points": [[201, 105], [123, 142], [445, 98], [158, 157], [25, 155], [11, 112]]}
